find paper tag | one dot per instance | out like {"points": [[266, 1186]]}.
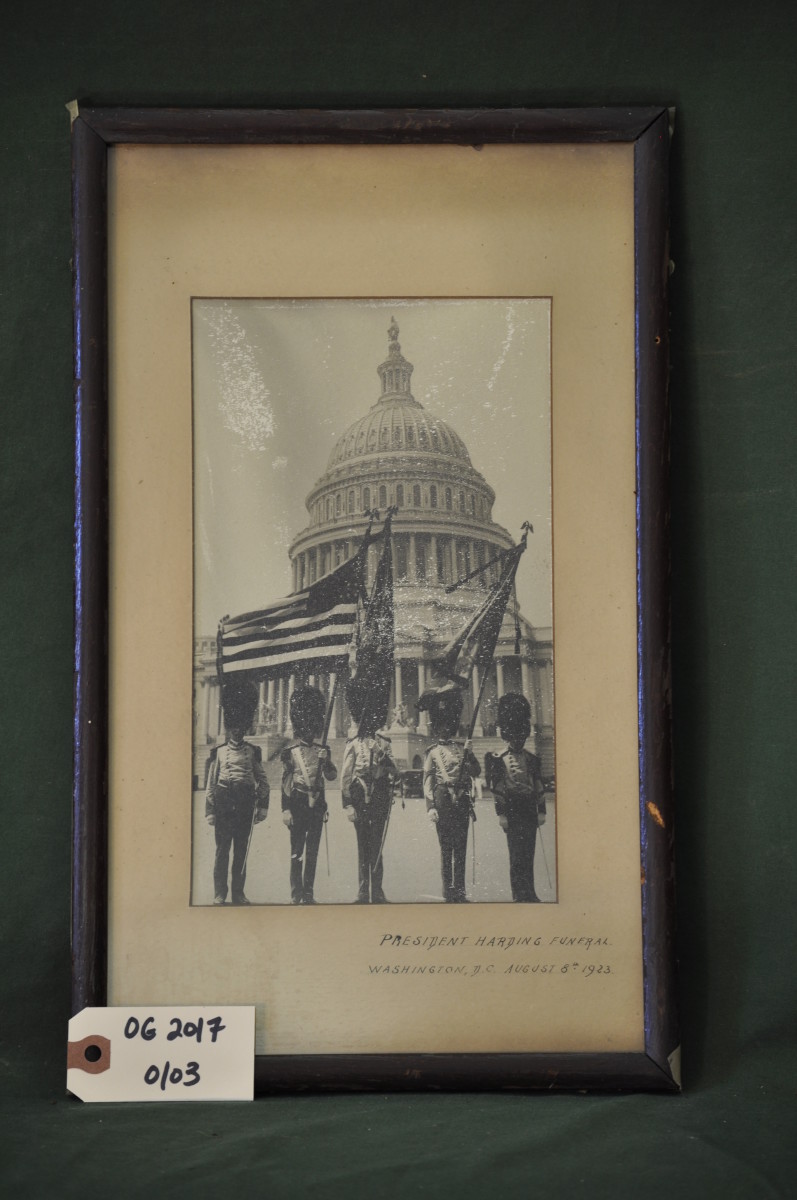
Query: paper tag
{"points": [[162, 1054]]}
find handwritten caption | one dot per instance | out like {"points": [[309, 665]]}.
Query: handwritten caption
{"points": [[531, 955]]}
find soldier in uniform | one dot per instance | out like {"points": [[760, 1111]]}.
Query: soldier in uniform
{"points": [[237, 792], [306, 764], [367, 794], [448, 770], [514, 778]]}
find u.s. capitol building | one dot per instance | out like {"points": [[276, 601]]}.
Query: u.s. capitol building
{"points": [[400, 454]]}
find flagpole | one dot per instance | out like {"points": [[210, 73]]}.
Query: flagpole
{"points": [[526, 529], [330, 709], [387, 530], [479, 697], [452, 587]]}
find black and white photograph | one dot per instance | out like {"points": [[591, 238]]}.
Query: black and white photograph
{"points": [[373, 644]]}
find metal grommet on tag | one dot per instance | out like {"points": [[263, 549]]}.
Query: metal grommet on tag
{"points": [[91, 1054]]}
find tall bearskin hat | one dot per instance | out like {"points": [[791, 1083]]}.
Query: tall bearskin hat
{"points": [[238, 703], [512, 707], [308, 709], [444, 706]]}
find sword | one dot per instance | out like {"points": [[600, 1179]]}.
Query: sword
{"points": [[384, 833], [249, 839], [544, 858], [326, 838]]}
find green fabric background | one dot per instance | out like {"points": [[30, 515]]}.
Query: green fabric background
{"points": [[730, 71]]}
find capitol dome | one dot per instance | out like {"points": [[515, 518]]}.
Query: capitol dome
{"points": [[395, 425], [400, 454], [398, 423]]}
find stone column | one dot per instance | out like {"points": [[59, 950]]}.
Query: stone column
{"points": [[423, 717], [278, 706], [397, 691], [499, 678], [211, 713], [286, 723], [431, 566], [260, 720], [530, 692], [202, 708], [412, 564], [527, 686], [544, 692]]}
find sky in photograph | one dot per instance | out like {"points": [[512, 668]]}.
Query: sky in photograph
{"points": [[277, 383]]}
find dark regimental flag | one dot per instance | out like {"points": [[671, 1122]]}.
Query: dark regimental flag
{"points": [[474, 645], [308, 631], [371, 659]]}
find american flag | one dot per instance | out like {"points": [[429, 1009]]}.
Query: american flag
{"points": [[311, 630]]}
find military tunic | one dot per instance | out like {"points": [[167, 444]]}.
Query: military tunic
{"points": [[366, 786], [303, 797], [447, 773], [237, 796], [519, 797]]}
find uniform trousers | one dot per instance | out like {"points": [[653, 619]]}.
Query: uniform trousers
{"points": [[452, 832], [233, 824], [521, 839], [370, 827], [306, 826]]}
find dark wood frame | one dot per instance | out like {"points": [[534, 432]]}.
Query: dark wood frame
{"points": [[93, 132]]}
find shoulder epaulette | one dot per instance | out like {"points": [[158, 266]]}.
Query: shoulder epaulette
{"points": [[215, 750], [258, 752]]}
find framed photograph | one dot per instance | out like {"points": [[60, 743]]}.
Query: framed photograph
{"points": [[372, 641]]}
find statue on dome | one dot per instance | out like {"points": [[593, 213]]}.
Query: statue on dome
{"points": [[392, 330]]}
